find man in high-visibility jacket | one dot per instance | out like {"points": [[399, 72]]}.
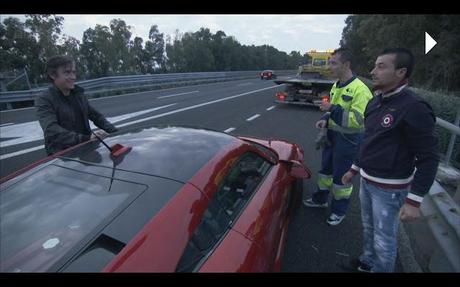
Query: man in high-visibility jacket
{"points": [[344, 120]]}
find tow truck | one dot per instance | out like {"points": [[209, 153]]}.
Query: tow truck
{"points": [[312, 83]]}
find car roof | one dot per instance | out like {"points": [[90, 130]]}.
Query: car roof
{"points": [[129, 195], [172, 152]]}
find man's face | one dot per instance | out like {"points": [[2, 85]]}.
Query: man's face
{"points": [[385, 75], [65, 77], [337, 67]]}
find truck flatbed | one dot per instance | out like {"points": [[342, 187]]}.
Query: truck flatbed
{"points": [[299, 80]]}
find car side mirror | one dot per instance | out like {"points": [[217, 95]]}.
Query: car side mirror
{"points": [[298, 170]]}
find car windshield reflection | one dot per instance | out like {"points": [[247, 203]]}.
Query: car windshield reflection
{"points": [[79, 202]]}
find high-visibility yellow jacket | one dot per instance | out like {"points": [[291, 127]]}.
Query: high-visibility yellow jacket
{"points": [[349, 100]]}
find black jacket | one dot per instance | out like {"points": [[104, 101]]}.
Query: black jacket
{"points": [[399, 136], [58, 120]]}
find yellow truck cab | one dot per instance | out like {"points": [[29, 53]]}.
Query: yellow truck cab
{"points": [[318, 65]]}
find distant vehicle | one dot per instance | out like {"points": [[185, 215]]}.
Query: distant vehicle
{"points": [[312, 83], [267, 75], [168, 199]]}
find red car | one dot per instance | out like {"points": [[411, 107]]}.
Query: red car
{"points": [[179, 199], [267, 75]]}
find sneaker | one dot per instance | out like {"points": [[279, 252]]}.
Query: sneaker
{"points": [[310, 203], [360, 266], [335, 219]]}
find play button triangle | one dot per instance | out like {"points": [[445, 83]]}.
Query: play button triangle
{"points": [[429, 43]]}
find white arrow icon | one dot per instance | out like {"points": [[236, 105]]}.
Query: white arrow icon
{"points": [[429, 43]]}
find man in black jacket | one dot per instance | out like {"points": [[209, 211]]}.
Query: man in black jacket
{"points": [[63, 110], [397, 161]]}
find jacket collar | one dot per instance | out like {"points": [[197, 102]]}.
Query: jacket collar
{"points": [[341, 85], [76, 90], [396, 90]]}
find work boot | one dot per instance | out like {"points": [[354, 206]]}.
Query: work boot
{"points": [[310, 203], [360, 266], [335, 219]]}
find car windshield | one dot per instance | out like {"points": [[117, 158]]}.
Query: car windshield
{"points": [[53, 213], [319, 62]]}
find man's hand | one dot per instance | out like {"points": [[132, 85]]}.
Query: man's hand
{"points": [[321, 124], [347, 177], [325, 106], [409, 212], [101, 134]]}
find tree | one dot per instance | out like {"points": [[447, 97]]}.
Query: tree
{"points": [[175, 54], [155, 50], [120, 39], [46, 29], [368, 35], [109, 50], [138, 54], [19, 50], [71, 47], [97, 51], [219, 51], [197, 51]]}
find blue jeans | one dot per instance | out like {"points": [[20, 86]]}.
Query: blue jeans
{"points": [[380, 216]]}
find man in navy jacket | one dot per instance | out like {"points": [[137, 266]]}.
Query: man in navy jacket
{"points": [[398, 159]]}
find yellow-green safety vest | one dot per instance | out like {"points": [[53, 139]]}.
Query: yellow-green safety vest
{"points": [[353, 99]]}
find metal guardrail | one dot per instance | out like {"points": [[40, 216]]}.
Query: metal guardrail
{"points": [[107, 84], [443, 217], [455, 129]]}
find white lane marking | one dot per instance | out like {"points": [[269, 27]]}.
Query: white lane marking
{"points": [[194, 107], [31, 131], [175, 95], [5, 156], [135, 114], [253, 117], [153, 117], [135, 93], [229, 130], [7, 124], [271, 108], [21, 133]]}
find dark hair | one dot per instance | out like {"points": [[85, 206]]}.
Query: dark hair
{"points": [[404, 59], [345, 55], [55, 62]]}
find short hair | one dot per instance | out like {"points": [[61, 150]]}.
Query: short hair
{"points": [[344, 54], [404, 59], [55, 62]]}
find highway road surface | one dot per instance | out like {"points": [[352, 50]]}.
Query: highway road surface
{"points": [[244, 107]]}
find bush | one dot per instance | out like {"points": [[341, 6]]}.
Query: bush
{"points": [[446, 107]]}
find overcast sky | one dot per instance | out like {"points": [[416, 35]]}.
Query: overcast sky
{"points": [[284, 32]]}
